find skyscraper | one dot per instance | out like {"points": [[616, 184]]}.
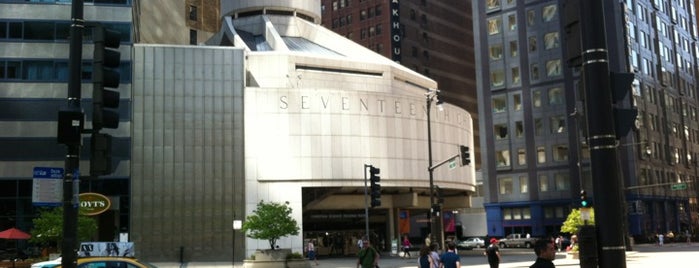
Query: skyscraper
{"points": [[533, 131]]}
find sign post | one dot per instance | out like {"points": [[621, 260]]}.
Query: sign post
{"points": [[47, 189]]}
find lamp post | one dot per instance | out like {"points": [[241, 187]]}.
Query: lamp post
{"points": [[435, 211]]}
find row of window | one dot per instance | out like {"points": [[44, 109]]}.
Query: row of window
{"points": [[50, 70], [519, 184], [552, 96], [503, 158], [52, 31], [524, 213]]}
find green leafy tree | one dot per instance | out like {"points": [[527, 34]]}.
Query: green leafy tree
{"points": [[270, 221], [48, 227], [574, 221]]}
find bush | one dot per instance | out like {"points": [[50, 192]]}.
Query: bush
{"points": [[295, 256]]}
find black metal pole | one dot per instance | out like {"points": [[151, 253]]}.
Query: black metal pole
{"points": [[434, 230], [71, 178], [606, 173]]}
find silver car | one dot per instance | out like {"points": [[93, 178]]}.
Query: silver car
{"points": [[471, 243]]}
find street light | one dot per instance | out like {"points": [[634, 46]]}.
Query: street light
{"points": [[435, 210]]}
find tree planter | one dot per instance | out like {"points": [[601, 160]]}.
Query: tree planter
{"points": [[275, 259]]}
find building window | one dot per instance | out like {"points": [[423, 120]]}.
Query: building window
{"points": [[517, 101], [521, 157], [531, 17], [512, 22], [543, 183], [500, 131], [538, 127], [492, 5], [555, 96], [192, 37], [557, 124], [549, 12], [519, 129], [506, 185], [377, 10], [560, 152], [513, 49], [496, 52], [523, 184], [499, 104], [553, 68], [534, 69], [362, 15], [536, 98], [516, 79], [497, 78], [562, 181], [532, 43], [193, 13], [551, 40], [378, 29], [541, 154], [494, 26], [502, 158]]}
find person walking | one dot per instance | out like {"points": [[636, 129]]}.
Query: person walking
{"points": [[423, 260], [435, 261], [311, 249], [368, 257], [450, 259], [493, 253], [545, 254], [406, 246]]}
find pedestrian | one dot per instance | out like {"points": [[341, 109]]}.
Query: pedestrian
{"points": [[688, 236], [368, 257], [435, 262], [450, 259], [428, 240], [423, 260], [545, 254], [311, 249], [661, 239], [559, 243], [406, 246], [493, 253]]}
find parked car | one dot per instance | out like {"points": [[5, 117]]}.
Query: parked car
{"points": [[471, 243], [517, 240], [48, 264], [86, 262]]}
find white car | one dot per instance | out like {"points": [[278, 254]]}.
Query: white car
{"points": [[48, 264], [471, 243]]}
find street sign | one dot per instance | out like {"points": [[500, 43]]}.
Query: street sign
{"points": [[47, 188], [585, 214], [452, 164], [678, 186]]}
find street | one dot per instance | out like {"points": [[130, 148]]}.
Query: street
{"points": [[643, 256]]}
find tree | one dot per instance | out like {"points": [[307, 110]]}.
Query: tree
{"points": [[574, 221], [270, 221], [48, 227]]}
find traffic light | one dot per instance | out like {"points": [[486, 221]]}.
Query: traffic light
{"points": [[100, 154], [465, 154], [440, 194], [572, 33], [624, 118], [105, 63], [583, 199], [375, 186]]}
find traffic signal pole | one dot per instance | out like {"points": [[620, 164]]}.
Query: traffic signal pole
{"points": [[606, 172], [71, 178]]}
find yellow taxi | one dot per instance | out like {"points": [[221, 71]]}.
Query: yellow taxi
{"points": [[111, 262]]}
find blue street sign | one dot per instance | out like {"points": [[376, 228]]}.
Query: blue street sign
{"points": [[47, 187]]}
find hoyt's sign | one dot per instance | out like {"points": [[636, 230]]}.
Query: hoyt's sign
{"points": [[93, 204]]}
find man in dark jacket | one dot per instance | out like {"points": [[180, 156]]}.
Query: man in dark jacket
{"points": [[545, 254]]}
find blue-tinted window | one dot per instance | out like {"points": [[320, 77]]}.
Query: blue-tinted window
{"points": [[35, 70], [51, 30]]}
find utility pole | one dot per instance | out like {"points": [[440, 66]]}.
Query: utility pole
{"points": [[606, 172], [71, 120]]}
